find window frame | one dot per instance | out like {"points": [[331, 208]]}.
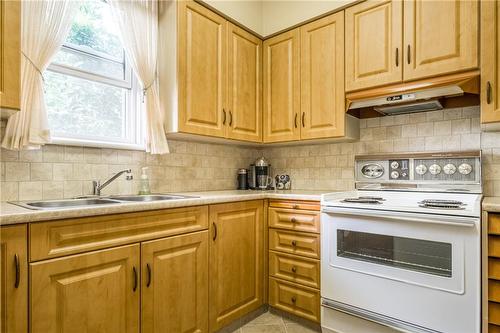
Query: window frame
{"points": [[134, 121]]}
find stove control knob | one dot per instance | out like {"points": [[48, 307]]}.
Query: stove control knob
{"points": [[435, 169], [465, 168], [394, 165], [449, 169], [421, 169], [394, 175]]}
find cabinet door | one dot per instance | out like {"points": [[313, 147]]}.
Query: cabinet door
{"points": [[13, 279], [202, 70], [244, 88], [175, 284], [490, 62], [236, 261], [10, 54], [374, 36], [282, 87], [440, 37], [92, 292], [322, 78]]}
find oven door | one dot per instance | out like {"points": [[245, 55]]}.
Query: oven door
{"points": [[406, 266]]}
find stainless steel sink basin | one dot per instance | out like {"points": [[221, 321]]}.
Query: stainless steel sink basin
{"points": [[69, 203], [148, 198], [96, 201]]}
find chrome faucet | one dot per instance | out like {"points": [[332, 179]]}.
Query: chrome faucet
{"points": [[97, 187]]}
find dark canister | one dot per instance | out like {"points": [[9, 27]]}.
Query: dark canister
{"points": [[242, 179]]}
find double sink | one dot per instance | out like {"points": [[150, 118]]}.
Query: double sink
{"points": [[97, 201]]}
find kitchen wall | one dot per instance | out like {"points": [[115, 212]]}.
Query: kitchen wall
{"points": [[63, 172], [331, 166], [246, 12]]}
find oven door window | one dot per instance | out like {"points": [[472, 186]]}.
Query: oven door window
{"points": [[418, 255]]}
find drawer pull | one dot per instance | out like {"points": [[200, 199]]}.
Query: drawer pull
{"points": [[17, 265], [134, 270], [149, 275], [295, 206], [294, 299], [215, 231], [294, 269], [294, 243], [294, 220]]}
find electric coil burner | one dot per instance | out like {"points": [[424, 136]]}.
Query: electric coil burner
{"points": [[442, 204]]}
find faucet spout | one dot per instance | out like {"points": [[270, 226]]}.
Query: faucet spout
{"points": [[97, 186]]}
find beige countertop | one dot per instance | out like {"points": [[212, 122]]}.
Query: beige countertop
{"points": [[12, 214], [491, 204]]}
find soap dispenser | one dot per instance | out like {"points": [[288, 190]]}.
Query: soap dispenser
{"points": [[144, 185]]}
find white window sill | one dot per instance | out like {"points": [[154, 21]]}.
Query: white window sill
{"points": [[96, 144]]}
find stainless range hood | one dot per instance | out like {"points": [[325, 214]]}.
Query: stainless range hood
{"points": [[421, 96]]}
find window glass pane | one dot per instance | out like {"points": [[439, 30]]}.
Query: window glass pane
{"points": [[93, 27], [90, 63], [78, 107], [406, 253]]}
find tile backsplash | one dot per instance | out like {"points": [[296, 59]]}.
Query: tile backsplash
{"points": [[63, 171]]}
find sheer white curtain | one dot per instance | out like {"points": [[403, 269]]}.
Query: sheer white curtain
{"points": [[138, 22], [45, 24]]}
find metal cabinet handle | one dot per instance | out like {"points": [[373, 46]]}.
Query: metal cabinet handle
{"points": [[230, 118], [295, 121], [303, 119], [293, 219], [215, 230], [409, 54], [488, 92], [148, 268], [294, 269], [134, 270], [397, 56], [294, 299], [17, 265], [294, 243], [223, 117]]}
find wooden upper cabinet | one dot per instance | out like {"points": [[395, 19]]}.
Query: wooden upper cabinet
{"points": [[10, 54], [202, 68], [490, 62], [92, 292], [322, 78], [440, 37], [236, 261], [374, 35], [175, 284], [13, 279], [244, 88], [282, 87]]}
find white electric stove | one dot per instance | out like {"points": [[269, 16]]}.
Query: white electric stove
{"points": [[402, 252]]}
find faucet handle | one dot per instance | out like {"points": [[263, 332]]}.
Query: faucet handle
{"points": [[95, 187]]}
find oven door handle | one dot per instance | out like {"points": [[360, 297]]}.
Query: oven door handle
{"points": [[402, 216]]}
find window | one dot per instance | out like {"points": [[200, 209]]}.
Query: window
{"points": [[92, 97]]}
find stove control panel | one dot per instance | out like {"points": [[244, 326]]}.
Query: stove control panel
{"points": [[459, 171], [399, 169]]}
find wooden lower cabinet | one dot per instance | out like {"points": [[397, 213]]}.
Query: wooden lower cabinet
{"points": [[175, 284], [13, 279], [92, 292], [236, 261], [492, 296], [291, 297]]}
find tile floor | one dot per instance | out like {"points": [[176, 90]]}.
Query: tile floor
{"points": [[273, 323]]}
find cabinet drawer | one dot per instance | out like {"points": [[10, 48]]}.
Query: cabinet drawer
{"points": [[494, 224], [494, 313], [299, 243], [494, 268], [294, 219], [494, 246], [494, 290], [58, 238], [307, 205], [298, 300], [294, 268]]}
